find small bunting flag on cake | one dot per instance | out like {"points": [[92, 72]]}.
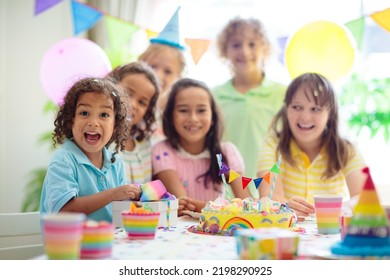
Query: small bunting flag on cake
{"points": [[232, 175]]}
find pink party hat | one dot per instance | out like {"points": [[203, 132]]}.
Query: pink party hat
{"points": [[170, 34]]}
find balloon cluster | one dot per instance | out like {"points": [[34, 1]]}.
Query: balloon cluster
{"points": [[323, 47]]}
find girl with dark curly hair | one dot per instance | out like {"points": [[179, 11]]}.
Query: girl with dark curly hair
{"points": [[83, 175]]}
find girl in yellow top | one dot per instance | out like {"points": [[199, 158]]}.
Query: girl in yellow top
{"points": [[315, 159]]}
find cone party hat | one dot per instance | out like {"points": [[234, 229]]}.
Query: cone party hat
{"points": [[368, 232], [170, 35]]}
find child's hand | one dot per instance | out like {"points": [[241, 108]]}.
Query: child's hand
{"points": [[124, 192], [185, 204], [300, 206]]}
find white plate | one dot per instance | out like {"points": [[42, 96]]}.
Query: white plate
{"points": [[192, 214]]}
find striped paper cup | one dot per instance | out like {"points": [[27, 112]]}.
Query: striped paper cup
{"points": [[62, 235], [328, 209], [97, 240], [140, 225]]}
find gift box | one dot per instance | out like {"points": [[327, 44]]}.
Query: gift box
{"points": [[267, 244], [167, 209]]}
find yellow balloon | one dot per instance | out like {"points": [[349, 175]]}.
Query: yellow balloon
{"points": [[323, 47]]}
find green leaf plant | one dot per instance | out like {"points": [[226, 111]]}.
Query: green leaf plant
{"points": [[33, 187], [368, 104]]}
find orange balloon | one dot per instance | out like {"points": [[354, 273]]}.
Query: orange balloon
{"points": [[322, 47]]}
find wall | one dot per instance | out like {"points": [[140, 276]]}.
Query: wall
{"points": [[24, 38]]}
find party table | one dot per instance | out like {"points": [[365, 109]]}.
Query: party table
{"points": [[177, 243]]}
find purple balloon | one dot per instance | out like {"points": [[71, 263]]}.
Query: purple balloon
{"points": [[68, 61]]}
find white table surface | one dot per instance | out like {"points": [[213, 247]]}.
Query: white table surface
{"points": [[178, 243]]}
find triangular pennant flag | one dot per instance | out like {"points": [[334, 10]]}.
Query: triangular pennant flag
{"points": [[267, 177], [275, 169], [245, 182], [368, 232], [257, 182], [198, 47], [118, 57], [84, 17], [357, 29], [382, 18], [43, 5], [151, 33], [170, 34], [223, 169], [233, 175], [282, 45], [119, 32]]}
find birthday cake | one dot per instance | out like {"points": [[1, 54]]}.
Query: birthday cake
{"points": [[367, 233], [224, 217]]}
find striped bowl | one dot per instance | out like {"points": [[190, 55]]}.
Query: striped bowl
{"points": [[140, 225]]}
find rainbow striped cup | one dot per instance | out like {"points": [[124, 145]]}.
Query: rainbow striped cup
{"points": [[97, 240], [140, 225], [62, 235], [328, 209]]}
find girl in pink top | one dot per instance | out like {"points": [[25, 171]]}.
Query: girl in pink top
{"points": [[186, 161]]}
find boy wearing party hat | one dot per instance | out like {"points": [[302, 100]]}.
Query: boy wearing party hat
{"points": [[165, 55]]}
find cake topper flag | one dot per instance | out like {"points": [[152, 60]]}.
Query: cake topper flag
{"points": [[226, 187], [368, 231], [257, 182], [224, 169], [275, 169], [245, 182], [170, 35], [233, 175], [267, 177]]}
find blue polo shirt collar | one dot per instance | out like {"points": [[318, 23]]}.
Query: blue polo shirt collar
{"points": [[82, 158]]}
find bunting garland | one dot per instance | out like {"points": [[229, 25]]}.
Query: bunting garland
{"points": [[43, 5], [86, 16], [382, 18], [198, 48], [357, 29], [233, 175], [119, 34], [245, 181]]}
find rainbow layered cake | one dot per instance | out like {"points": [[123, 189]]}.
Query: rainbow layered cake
{"points": [[223, 217]]}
